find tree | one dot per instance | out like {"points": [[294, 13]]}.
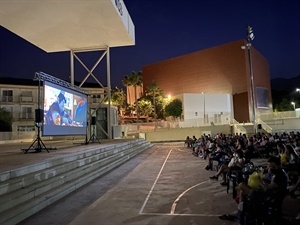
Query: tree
{"points": [[118, 98], [5, 120], [174, 108], [134, 79], [154, 93], [284, 105], [144, 107]]}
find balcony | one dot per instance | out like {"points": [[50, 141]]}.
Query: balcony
{"points": [[18, 99], [26, 99]]}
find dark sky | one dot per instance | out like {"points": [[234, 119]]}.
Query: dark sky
{"points": [[169, 28]]}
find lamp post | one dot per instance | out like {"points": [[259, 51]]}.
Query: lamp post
{"points": [[250, 37], [298, 90], [204, 108], [294, 104]]}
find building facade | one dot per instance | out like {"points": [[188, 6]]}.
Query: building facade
{"points": [[21, 98], [21, 101], [223, 69]]}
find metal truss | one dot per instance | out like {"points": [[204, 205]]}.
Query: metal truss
{"points": [[107, 90], [41, 76]]}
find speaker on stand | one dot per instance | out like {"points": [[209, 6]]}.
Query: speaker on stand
{"points": [[39, 115], [37, 144], [93, 137]]}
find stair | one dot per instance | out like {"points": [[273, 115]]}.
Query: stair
{"points": [[27, 190]]}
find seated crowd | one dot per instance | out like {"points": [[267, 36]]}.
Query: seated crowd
{"points": [[230, 155]]}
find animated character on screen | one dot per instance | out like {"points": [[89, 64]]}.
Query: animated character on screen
{"points": [[80, 112], [56, 114]]}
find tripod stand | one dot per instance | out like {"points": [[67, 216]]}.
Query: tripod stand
{"points": [[37, 144], [93, 137]]}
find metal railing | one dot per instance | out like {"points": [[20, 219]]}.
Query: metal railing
{"points": [[265, 126], [239, 128], [18, 99]]}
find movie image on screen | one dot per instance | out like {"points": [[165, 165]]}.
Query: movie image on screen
{"points": [[65, 111]]}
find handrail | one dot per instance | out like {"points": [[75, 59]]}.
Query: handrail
{"points": [[240, 128], [265, 126]]}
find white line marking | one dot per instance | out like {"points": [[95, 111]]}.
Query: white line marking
{"points": [[175, 214], [150, 192], [183, 193], [178, 149]]}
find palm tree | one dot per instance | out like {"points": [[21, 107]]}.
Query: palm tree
{"points": [[155, 92], [134, 79]]}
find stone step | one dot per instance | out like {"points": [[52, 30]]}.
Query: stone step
{"points": [[42, 185], [55, 167], [44, 195], [10, 174]]}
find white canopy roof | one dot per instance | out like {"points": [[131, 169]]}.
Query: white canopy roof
{"points": [[62, 25]]}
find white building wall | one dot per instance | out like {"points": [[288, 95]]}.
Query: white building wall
{"points": [[205, 109], [195, 105]]}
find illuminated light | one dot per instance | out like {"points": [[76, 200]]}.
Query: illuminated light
{"points": [[294, 104]]}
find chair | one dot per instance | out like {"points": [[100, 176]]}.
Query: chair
{"points": [[237, 176]]}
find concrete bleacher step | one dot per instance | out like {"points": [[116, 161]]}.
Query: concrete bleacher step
{"points": [[20, 177], [82, 166], [27, 198]]}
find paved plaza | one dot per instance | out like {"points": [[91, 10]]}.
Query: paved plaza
{"points": [[164, 185]]}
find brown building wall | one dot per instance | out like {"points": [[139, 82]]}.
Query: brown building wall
{"points": [[261, 73], [215, 70], [221, 69], [240, 107]]}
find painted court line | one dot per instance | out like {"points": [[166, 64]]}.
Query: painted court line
{"points": [[150, 192], [182, 194], [172, 212], [181, 150], [175, 214]]}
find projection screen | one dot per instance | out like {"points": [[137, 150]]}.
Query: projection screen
{"points": [[65, 111]]}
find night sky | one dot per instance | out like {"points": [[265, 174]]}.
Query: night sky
{"points": [[166, 29]]}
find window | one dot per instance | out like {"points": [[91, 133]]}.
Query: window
{"points": [[7, 95], [95, 98], [26, 128], [26, 113], [262, 98]]}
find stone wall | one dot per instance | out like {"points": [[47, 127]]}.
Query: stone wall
{"points": [[180, 134]]}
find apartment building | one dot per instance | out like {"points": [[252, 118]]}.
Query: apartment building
{"points": [[21, 97]]}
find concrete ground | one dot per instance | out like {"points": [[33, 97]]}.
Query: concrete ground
{"points": [[164, 185]]}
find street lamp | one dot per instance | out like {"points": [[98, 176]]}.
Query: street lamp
{"points": [[298, 91], [204, 117], [250, 37], [294, 104]]}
